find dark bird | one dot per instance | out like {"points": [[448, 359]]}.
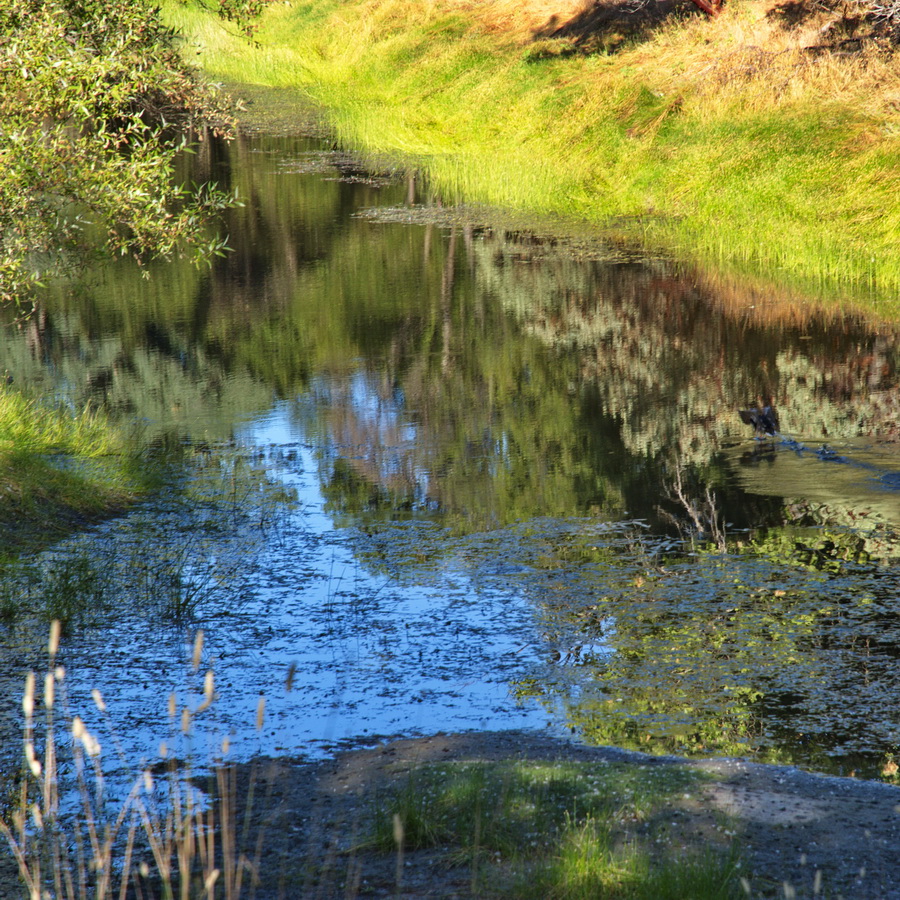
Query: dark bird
{"points": [[764, 420]]}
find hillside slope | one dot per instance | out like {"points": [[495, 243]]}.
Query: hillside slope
{"points": [[765, 139]]}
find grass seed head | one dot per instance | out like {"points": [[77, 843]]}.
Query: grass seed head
{"points": [[208, 692], [28, 696], [33, 762], [53, 643], [198, 650], [91, 744]]}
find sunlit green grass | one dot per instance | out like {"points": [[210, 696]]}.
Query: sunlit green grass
{"points": [[554, 830], [743, 176], [58, 469], [27, 426]]}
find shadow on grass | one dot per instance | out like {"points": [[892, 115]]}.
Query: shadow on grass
{"points": [[477, 816], [606, 26], [49, 497]]}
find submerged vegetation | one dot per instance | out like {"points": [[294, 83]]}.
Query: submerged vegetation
{"points": [[760, 139]]}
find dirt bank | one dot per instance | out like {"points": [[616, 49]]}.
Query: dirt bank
{"points": [[790, 825]]}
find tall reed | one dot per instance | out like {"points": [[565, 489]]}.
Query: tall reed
{"points": [[73, 839]]}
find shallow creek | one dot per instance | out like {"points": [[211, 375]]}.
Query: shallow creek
{"points": [[431, 469]]}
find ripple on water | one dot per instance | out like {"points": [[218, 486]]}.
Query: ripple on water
{"points": [[368, 653]]}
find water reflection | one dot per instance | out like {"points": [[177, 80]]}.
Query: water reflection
{"points": [[541, 433]]}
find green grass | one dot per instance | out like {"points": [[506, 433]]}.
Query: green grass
{"points": [[59, 470], [727, 168], [561, 830]]}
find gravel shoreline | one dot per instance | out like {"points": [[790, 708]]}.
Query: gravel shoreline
{"points": [[800, 835], [820, 836]]}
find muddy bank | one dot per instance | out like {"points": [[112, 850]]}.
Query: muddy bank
{"points": [[314, 818]]}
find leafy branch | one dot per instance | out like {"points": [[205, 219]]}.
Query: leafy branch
{"points": [[95, 106]]}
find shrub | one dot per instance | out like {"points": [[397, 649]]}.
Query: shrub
{"points": [[95, 104]]}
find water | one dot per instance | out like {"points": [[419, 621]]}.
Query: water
{"points": [[432, 470]]}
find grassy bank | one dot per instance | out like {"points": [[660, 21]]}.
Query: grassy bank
{"points": [[727, 141], [57, 471]]}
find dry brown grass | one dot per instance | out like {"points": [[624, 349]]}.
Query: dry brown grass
{"points": [[756, 51], [164, 840], [750, 52], [525, 19]]}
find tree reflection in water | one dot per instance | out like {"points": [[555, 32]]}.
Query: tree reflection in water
{"points": [[453, 368]]}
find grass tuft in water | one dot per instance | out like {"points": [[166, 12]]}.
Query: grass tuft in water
{"points": [[73, 591]]}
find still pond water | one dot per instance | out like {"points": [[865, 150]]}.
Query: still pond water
{"points": [[430, 470]]}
